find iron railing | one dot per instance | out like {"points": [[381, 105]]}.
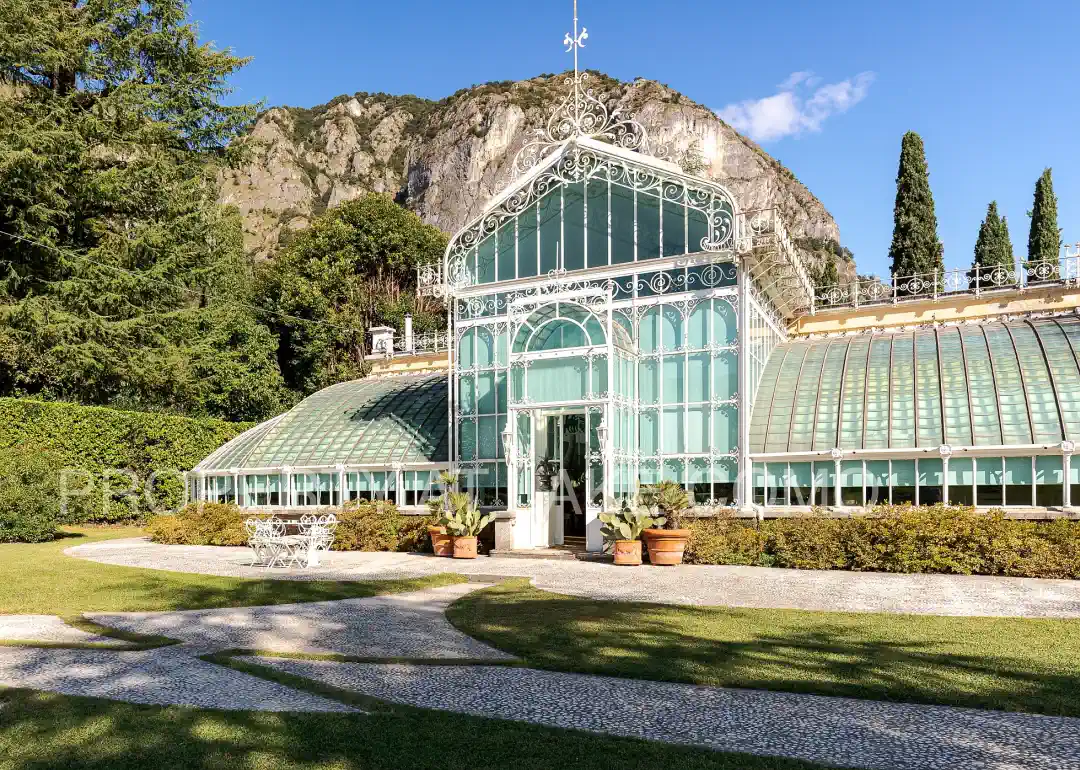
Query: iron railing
{"points": [[399, 344]]}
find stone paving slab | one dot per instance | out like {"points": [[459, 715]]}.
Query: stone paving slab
{"points": [[406, 625], [45, 628], [730, 586], [834, 731], [165, 676]]}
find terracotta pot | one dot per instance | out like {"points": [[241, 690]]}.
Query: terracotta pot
{"points": [[666, 546], [628, 552], [441, 542], [464, 547]]}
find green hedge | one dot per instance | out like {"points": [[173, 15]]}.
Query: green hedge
{"points": [[362, 526], [939, 538], [98, 445]]}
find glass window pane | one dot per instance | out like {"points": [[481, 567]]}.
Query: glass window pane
{"points": [[671, 328], [674, 379], [648, 226], [485, 348], [697, 331], [903, 473], [649, 380], [506, 246], [486, 260], [930, 473], [550, 207], [673, 431], [649, 431], [622, 225], [697, 228], [674, 229], [527, 256], [988, 471], [466, 350], [485, 393], [1049, 470], [961, 472], [697, 437], [597, 216], [1018, 470], [725, 374], [488, 438], [725, 429], [824, 474], [467, 394], [574, 226], [698, 376]]}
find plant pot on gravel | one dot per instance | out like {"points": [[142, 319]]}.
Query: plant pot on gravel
{"points": [[442, 542], [622, 529], [465, 522], [667, 542]]}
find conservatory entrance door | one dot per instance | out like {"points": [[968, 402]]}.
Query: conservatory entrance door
{"points": [[561, 477]]}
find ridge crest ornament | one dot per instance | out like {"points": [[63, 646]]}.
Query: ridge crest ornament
{"points": [[581, 113]]}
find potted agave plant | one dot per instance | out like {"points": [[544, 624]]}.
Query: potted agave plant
{"points": [[666, 542], [465, 523], [623, 530], [442, 542]]}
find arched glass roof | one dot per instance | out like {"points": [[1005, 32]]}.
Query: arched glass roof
{"points": [[564, 325], [373, 421], [990, 384]]}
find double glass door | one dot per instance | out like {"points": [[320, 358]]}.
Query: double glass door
{"points": [[561, 477]]}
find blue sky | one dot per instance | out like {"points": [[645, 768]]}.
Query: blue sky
{"points": [[991, 86]]}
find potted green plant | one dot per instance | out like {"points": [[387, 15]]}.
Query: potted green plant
{"points": [[465, 523], [442, 542], [669, 501], [623, 530]]}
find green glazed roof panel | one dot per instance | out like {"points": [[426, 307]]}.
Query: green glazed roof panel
{"points": [[954, 388], [783, 403], [902, 412], [877, 394], [851, 404], [806, 399], [1012, 405], [927, 390], [1042, 403], [982, 392], [373, 421], [832, 378], [1062, 357]]}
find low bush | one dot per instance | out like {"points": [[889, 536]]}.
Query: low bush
{"points": [[362, 526], [30, 508], [939, 539]]}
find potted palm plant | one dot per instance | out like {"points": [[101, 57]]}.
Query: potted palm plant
{"points": [[465, 523], [442, 542], [623, 530], [669, 502]]}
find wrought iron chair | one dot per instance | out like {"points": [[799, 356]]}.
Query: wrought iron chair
{"points": [[318, 533]]}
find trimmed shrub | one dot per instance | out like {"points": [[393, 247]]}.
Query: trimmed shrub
{"points": [[30, 508], [117, 464], [927, 539], [200, 524]]}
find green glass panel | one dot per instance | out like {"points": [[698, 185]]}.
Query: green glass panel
{"points": [[487, 437], [927, 390], [558, 379], [877, 474], [507, 245], [597, 216], [500, 426], [725, 367], [783, 400], [673, 470], [648, 226], [954, 388], [877, 393], [851, 411], [485, 266], [649, 331], [902, 402], [903, 473], [758, 475], [674, 380], [1012, 403], [674, 229], [467, 349], [517, 383], [697, 327], [805, 405], [671, 328], [467, 446], [501, 355], [595, 331], [558, 334], [485, 393], [986, 429], [1018, 470], [725, 328], [697, 430], [799, 474], [725, 472], [825, 474], [673, 431], [725, 429], [930, 473], [622, 225], [828, 394], [599, 376], [776, 475], [574, 226], [485, 347], [851, 473], [1042, 402], [697, 471], [649, 432], [698, 376], [1061, 340], [550, 223], [961, 471], [988, 470], [649, 381], [649, 474], [526, 251], [500, 391], [697, 229], [1049, 470], [467, 394]]}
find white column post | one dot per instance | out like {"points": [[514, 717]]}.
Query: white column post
{"points": [[340, 483], [745, 477], [1067, 448], [399, 484], [946, 452], [236, 486], [837, 456], [510, 455], [287, 498], [408, 333]]}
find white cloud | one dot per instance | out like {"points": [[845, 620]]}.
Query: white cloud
{"points": [[801, 105]]}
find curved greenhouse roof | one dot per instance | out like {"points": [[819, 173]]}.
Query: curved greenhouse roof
{"points": [[988, 384], [376, 421]]}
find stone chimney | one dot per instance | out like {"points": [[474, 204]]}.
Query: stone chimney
{"points": [[382, 341], [408, 333]]}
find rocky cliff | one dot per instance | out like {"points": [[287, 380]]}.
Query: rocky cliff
{"points": [[445, 159]]}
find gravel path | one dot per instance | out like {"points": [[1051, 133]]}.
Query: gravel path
{"points": [[408, 625], [694, 585], [834, 731], [45, 628], [163, 677]]}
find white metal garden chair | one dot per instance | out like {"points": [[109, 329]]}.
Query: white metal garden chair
{"points": [[318, 533]]}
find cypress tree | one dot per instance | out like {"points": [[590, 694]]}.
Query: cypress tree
{"points": [[1044, 238], [915, 248], [993, 249]]}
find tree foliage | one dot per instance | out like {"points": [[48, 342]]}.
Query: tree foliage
{"points": [[352, 269], [993, 247], [915, 246], [1044, 237], [122, 281]]}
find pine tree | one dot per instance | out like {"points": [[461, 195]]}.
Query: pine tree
{"points": [[121, 277], [1044, 238], [915, 248], [994, 261]]}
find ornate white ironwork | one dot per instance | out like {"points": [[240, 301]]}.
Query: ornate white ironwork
{"points": [[582, 113]]}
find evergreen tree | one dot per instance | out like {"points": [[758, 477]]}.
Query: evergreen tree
{"points": [[1044, 238], [993, 251], [122, 281], [915, 248]]}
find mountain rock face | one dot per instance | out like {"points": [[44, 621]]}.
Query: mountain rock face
{"points": [[445, 159]]}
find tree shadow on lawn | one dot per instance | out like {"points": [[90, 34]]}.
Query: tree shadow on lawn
{"points": [[42, 731], [989, 663]]}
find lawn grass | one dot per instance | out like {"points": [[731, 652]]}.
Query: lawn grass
{"points": [[991, 663], [43, 730], [39, 579]]}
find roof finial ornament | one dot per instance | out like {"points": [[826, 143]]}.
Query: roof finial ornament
{"points": [[581, 114]]}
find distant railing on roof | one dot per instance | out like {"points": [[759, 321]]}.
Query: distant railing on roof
{"points": [[950, 283], [400, 345]]}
